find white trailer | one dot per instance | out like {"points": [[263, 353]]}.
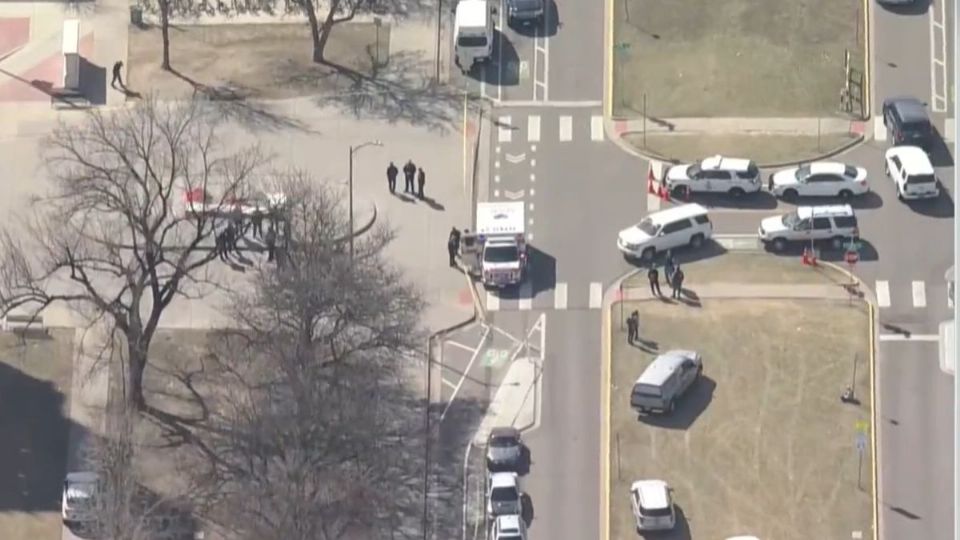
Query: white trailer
{"points": [[501, 234]]}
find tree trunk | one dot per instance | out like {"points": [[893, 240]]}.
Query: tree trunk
{"points": [[311, 10], [321, 44], [165, 32], [136, 364]]}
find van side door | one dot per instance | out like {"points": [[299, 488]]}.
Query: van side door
{"points": [[688, 374]]}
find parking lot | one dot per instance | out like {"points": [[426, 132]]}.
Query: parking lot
{"points": [[761, 444]]}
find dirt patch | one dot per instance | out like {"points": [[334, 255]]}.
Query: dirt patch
{"points": [[763, 149], [268, 61], [761, 444], [736, 58], [35, 382]]}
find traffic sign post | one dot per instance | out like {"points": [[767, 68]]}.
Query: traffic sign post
{"points": [[852, 256], [861, 448]]}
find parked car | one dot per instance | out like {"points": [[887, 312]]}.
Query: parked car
{"points": [[78, 503], [819, 179], [912, 173], [908, 122], [504, 449], [715, 174], [834, 223], [687, 224], [510, 527], [503, 494], [652, 503], [665, 380], [525, 12]]}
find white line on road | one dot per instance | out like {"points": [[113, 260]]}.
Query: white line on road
{"points": [[460, 346], [596, 295], [566, 128], [526, 296], [533, 163], [448, 383], [533, 177], [908, 337], [883, 293], [546, 69], [560, 296], [493, 302], [879, 130], [533, 128], [463, 377], [550, 104], [504, 129], [938, 68], [919, 294], [531, 207], [596, 128], [496, 178]]}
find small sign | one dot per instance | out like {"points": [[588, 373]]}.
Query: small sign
{"points": [[861, 442], [495, 357], [862, 426]]}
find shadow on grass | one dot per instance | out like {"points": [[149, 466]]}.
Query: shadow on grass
{"points": [[688, 407]]}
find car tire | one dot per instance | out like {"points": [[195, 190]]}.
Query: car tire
{"points": [[696, 241], [736, 192], [779, 244], [680, 192], [648, 254], [790, 195], [846, 194]]}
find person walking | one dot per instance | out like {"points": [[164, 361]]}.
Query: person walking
{"points": [[409, 170], [654, 277], [392, 172], [220, 245], [116, 75], [256, 222], [677, 283], [270, 239], [421, 180], [633, 327], [669, 267], [453, 246]]}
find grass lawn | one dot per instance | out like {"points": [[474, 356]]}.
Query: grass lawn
{"points": [[736, 58], [763, 149], [761, 444]]}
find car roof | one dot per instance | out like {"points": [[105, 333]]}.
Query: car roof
{"points": [[652, 493], [910, 109], [805, 212], [509, 522], [470, 12], [725, 163], [498, 432], [503, 479], [683, 211], [663, 366], [827, 167], [914, 159]]}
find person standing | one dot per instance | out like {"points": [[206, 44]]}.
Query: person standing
{"points": [[256, 222], [633, 327], [116, 75], [409, 170], [677, 284], [421, 180], [392, 172], [654, 277], [453, 245], [270, 239], [220, 245], [669, 267]]}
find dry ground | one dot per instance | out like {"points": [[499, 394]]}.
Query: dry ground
{"points": [[763, 149], [35, 381], [258, 60], [760, 445], [754, 58]]}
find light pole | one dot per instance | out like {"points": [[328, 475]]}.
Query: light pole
{"points": [[353, 150]]}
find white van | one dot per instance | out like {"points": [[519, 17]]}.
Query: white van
{"points": [[665, 380], [472, 33], [687, 224]]}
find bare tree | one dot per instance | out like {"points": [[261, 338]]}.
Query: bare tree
{"points": [[314, 442], [164, 6], [114, 237], [339, 11]]}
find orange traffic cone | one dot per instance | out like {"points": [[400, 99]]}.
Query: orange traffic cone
{"points": [[809, 259], [651, 182], [664, 193]]}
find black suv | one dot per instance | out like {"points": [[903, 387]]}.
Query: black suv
{"points": [[525, 11], [907, 122]]}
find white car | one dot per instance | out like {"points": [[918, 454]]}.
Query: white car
{"points": [[684, 225], [715, 174], [503, 494], [912, 173], [652, 503], [509, 527], [79, 499], [819, 179]]}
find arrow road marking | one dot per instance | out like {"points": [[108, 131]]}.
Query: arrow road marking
{"points": [[513, 195], [516, 158]]}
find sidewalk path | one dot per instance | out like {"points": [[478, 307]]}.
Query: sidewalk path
{"points": [[743, 290], [739, 126]]}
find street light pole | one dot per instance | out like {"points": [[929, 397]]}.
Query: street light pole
{"points": [[353, 150]]}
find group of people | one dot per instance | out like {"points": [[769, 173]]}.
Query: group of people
{"points": [[410, 172], [672, 272], [226, 240]]}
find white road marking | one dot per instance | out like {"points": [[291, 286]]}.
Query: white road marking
{"points": [[919, 294], [547, 104], [496, 178], [496, 164], [533, 177], [461, 346], [530, 221], [533, 148], [596, 128], [879, 130], [533, 163], [883, 293], [449, 384], [496, 193], [529, 237], [560, 296], [596, 295], [531, 207], [533, 128], [908, 337], [526, 296], [949, 302], [938, 57], [566, 128], [493, 302], [504, 129], [533, 192], [949, 129], [498, 149], [463, 377]]}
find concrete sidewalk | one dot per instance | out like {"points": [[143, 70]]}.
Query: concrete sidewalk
{"points": [[744, 290], [738, 126]]}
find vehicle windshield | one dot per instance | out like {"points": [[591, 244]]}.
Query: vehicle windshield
{"points": [[918, 127], [504, 494], [918, 179], [790, 220], [693, 170], [648, 227], [501, 254], [802, 173], [80, 495], [503, 442], [850, 171], [655, 512], [509, 536], [472, 41], [648, 391]]}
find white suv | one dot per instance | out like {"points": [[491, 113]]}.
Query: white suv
{"points": [[652, 504], [509, 527], [503, 494], [911, 172], [715, 174], [808, 224], [687, 224]]}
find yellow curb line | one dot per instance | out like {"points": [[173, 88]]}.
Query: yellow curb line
{"points": [[608, 57], [867, 91], [606, 336], [873, 423]]}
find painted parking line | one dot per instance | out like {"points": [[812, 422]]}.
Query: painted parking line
{"points": [[560, 296], [596, 295], [493, 302], [596, 128], [908, 337], [938, 56], [883, 293], [533, 128], [566, 128], [461, 346], [526, 296], [919, 291], [504, 129], [879, 130]]}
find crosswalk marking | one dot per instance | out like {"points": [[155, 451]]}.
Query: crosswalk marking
{"points": [[596, 295], [493, 302], [533, 128], [504, 129], [919, 294], [526, 296], [596, 128], [560, 296], [566, 128], [879, 130], [883, 294]]}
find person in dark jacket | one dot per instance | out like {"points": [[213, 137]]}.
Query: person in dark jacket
{"points": [[270, 239], [409, 170], [677, 283], [453, 246], [654, 277], [421, 180], [392, 172], [633, 327]]}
